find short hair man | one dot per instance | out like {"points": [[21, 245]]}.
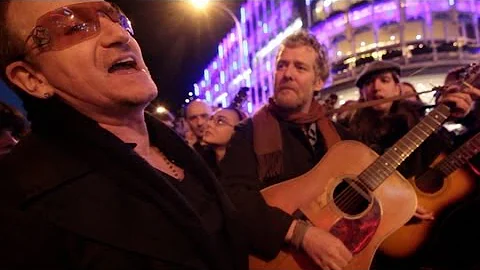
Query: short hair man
{"points": [[271, 148], [98, 183], [197, 114], [285, 139]]}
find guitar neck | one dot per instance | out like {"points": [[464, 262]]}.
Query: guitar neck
{"points": [[460, 156], [387, 163]]}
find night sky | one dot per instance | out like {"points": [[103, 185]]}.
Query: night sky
{"points": [[178, 41]]}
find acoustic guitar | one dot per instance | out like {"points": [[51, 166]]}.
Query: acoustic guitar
{"points": [[354, 194], [443, 185]]}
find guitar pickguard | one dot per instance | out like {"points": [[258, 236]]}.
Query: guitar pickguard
{"points": [[357, 233]]}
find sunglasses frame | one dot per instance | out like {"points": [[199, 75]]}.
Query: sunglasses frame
{"points": [[42, 37]]}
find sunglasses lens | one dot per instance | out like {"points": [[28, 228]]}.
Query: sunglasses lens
{"points": [[65, 27], [73, 24]]}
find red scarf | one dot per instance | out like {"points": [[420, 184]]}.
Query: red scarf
{"points": [[267, 139]]}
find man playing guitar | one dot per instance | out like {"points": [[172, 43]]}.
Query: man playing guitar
{"points": [[285, 139]]}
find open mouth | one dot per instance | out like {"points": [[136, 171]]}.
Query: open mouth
{"points": [[128, 64]]}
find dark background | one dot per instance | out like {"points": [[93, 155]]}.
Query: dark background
{"points": [[177, 41]]}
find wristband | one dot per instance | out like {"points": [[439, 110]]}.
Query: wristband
{"points": [[299, 233]]}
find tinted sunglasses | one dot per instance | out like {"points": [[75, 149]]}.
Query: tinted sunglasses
{"points": [[73, 24]]}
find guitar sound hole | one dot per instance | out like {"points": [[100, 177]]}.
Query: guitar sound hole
{"points": [[430, 182], [351, 197]]}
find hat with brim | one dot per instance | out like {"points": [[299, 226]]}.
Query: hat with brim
{"points": [[376, 68]]}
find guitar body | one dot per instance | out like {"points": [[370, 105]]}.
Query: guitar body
{"points": [[331, 198], [446, 192]]}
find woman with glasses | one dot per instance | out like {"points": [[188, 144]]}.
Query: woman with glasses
{"points": [[220, 129]]}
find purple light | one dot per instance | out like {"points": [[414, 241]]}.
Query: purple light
{"points": [[387, 11], [439, 5], [414, 9], [208, 96], [196, 89], [220, 51], [335, 25], [360, 17], [222, 77], [340, 22], [227, 61], [206, 74], [465, 6]]}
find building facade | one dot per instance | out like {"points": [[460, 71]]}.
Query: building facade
{"points": [[426, 37], [246, 55]]}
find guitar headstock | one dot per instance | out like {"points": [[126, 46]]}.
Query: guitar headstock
{"points": [[469, 74], [240, 98]]}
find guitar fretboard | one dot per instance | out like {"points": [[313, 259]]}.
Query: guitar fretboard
{"points": [[387, 163], [460, 156]]}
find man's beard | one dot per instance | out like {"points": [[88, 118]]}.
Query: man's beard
{"points": [[288, 105]]}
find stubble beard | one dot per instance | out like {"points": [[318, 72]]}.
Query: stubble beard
{"points": [[289, 104]]}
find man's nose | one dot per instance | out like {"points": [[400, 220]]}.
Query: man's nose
{"points": [[202, 121], [376, 85], [112, 32], [210, 123], [288, 72]]}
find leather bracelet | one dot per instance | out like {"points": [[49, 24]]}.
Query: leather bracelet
{"points": [[299, 231]]}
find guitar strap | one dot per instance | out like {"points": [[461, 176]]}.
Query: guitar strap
{"points": [[329, 132]]}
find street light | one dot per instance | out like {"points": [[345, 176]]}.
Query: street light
{"points": [[202, 4], [161, 109]]}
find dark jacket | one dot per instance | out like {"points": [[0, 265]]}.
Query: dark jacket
{"points": [[74, 196], [380, 133], [267, 226]]}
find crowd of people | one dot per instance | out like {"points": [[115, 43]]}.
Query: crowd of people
{"points": [[93, 181]]}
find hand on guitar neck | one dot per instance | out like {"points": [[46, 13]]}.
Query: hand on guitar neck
{"points": [[459, 98]]}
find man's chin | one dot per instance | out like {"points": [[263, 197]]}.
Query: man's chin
{"points": [[288, 104]]}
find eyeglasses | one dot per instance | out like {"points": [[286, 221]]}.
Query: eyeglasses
{"points": [[220, 121], [73, 24]]}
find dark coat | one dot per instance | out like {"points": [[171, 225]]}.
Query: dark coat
{"points": [[267, 226], [74, 196], [380, 133]]}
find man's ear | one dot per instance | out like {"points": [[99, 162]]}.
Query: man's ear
{"points": [[24, 76], [318, 84], [399, 89]]}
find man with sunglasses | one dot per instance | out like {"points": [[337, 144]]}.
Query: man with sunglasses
{"points": [[99, 184]]}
